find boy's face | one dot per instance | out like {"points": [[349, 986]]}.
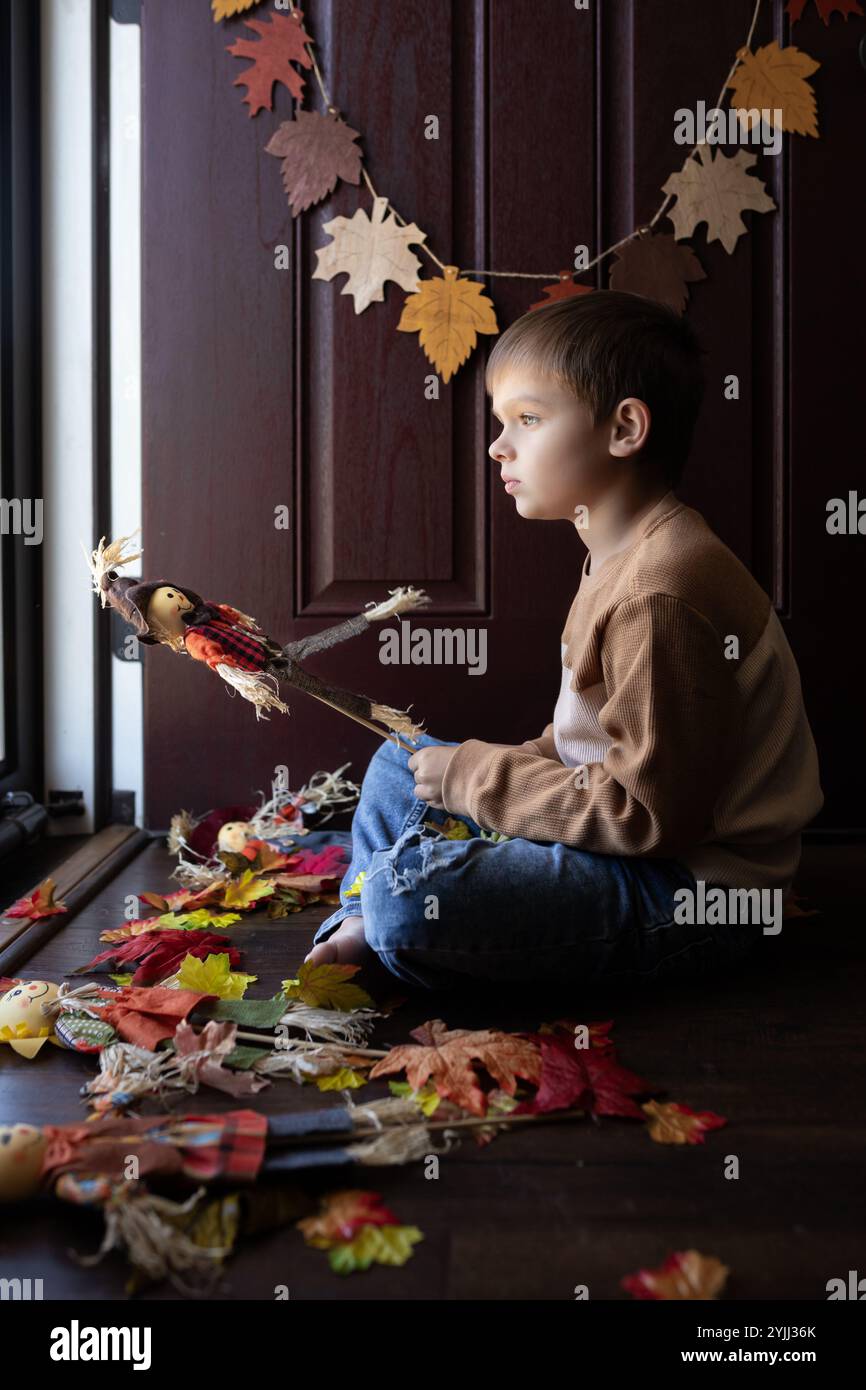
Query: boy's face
{"points": [[549, 444]]}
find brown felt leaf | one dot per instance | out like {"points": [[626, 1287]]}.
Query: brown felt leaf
{"points": [[716, 189], [566, 287], [774, 78], [448, 314], [825, 8], [677, 1124], [281, 44], [370, 250], [446, 1058], [224, 9], [316, 150], [657, 268], [686, 1274]]}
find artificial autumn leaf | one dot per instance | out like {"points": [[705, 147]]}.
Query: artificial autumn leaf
{"points": [[224, 9], [184, 897], [282, 43], [384, 1245], [344, 1079], [199, 920], [40, 903], [446, 1058], [587, 1078], [159, 953], [212, 976], [427, 1099], [305, 883], [452, 828], [247, 890], [354, 889], [716, 189], [679, 1124], [370, 250], [657, 268], [316, 150], [598, 1034], [566, 287], [686, 1274], [448, 313], [327, 987], [342, 1215], [774, 78], [825, 8]]}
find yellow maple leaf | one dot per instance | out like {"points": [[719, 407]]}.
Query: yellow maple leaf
{"points": [[247, 890], [212, 976], [384, 1245], [224, 9], [355, 890], [327, 987], [716, 189], [427, 1099], [199, 920], [370, 250], [448, 314], [344, 1079], [774, 79]]}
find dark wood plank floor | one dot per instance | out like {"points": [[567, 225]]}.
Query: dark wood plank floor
{"points": [[777, 1048]]}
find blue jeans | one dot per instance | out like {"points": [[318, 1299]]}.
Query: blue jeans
{"points": [[438, 911]]}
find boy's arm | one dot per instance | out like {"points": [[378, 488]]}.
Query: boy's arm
{"points": [[672, 714]]}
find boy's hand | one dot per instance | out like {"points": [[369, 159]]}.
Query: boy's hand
{"points": [[429, 765]]}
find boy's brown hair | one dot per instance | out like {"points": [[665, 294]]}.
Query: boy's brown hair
{"points": [[607, 345]]}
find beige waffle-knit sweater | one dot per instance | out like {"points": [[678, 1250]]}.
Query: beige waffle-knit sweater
{"points": [[679, 731]]}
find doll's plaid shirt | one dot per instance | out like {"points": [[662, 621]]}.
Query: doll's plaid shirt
{"points": [[242, 647]]}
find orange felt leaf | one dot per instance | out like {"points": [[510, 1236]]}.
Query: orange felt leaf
{"points": [[315, 150], [446, 1057], [448, 314], [565, 288], [775, 77], [40, 903], [686, 1274], [656, 267], [282, 43], [370, 250], [825, 8], [342, 1214], [670, 1123]]}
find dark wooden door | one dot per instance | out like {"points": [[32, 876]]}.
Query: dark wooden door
{"points": [[263, 388]]}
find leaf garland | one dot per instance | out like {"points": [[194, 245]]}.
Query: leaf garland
{"points": [[282, 42]]}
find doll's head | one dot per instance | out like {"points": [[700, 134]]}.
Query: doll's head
{"points": [[22, 1023], [21, 1151], [164, 613]]}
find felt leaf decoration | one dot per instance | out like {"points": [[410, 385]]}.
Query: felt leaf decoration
{"points": [[384, 1245], [825, 8], [370, 250], [657, 268], [448, 313], [344, 1079], [327, 987], [566, 287], [678, 1124], [282, 42], [224, 9], [686, 1274], [40, 903], [342, 1215], [316, 150], [446, 1058], [716, 189], [589, 1078], [213, 976], [247, 890], [773, 78]]}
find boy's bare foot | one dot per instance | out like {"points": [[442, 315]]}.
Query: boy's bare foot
{"points": [[346, 946]]}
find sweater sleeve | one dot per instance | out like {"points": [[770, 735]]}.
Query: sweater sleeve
{"points": [[672, 712], [543, 745]]}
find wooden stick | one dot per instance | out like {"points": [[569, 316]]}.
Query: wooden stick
{"points": [[359, 718], [275, 1042], [350, 1136]]}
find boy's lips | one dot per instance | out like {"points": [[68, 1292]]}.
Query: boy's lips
{"points": [[511, 484]]}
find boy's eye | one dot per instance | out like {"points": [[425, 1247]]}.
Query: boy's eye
{"points": [[525, 416]]}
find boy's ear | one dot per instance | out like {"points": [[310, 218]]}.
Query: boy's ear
{"points": [[630, 427]]}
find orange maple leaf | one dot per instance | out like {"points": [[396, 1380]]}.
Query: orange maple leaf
{"points": [[670, 1123], [446, 1057], [40, 903], [342, 1215], [282, 43]]}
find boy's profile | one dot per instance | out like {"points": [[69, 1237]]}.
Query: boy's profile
{"points": [[679, 756]]}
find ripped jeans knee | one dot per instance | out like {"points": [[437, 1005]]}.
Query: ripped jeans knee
{"points": [[396, 886]]}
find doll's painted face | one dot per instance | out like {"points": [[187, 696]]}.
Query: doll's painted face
{"points": [[22, 1022], [21, 1151], [165, 609], [233, 835]]}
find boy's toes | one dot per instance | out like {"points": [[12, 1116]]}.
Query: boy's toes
{"points": [[326, 953]]}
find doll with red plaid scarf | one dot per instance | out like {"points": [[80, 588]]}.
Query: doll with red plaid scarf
{"points": [[232, 643]]}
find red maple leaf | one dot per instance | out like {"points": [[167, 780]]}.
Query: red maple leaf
{"points": [[282, 43], [588, 1078], [160, 953], [825, 8], [40, 903]]}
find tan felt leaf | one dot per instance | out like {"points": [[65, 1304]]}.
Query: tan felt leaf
{"points": [[316, 150], [282, 43], [656, 267], [370, 250], [716, 189], [774, 78], [446, 1058], [448, 314], [224, 9]]}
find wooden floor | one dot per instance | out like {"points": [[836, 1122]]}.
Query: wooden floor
{"points": [[778, 1050]]}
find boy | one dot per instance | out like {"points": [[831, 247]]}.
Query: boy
{"points": [[679, 758]]}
